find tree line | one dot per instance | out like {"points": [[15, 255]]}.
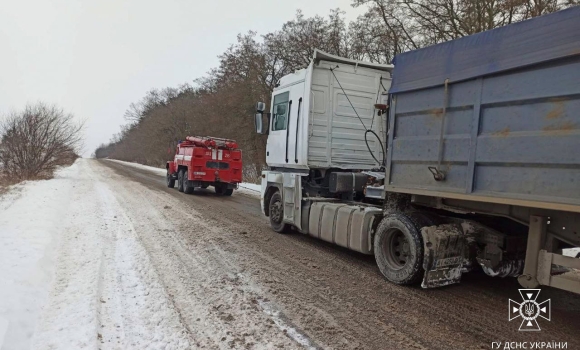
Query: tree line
{"points": [[222, 102]]}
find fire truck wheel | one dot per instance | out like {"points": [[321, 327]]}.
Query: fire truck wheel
{"points": [[398, 248], [180, 180], [187, 188], [170, 180], [277, 214], [219, 189], [228, 192]]}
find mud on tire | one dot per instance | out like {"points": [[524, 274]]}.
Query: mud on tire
{"points": [[187, 188], [398, 247], [180, 180], [170, 180], [276, 211]]}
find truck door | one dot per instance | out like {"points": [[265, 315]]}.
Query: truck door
{"points": [[276, 147]]}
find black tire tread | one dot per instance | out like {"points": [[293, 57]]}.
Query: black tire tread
{"points": [[187, 189], [281, 227], [169, 180], [180, 180], [413, 223]]}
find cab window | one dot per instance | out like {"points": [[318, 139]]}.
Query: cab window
{"points": [[280, 111]]}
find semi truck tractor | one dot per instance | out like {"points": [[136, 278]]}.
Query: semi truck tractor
{"points": [[460, 156], [205, 161]]}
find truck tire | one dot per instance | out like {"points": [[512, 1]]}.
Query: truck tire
{"points": [[170, 180], [398, 248], [219, 189], [228, 191], [276, 211], [180, 180], [187, 188]]}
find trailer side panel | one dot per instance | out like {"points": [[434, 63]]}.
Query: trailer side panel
{"points": [[513, 134]]}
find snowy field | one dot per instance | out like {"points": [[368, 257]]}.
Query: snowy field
{"points": [[77, 273]]}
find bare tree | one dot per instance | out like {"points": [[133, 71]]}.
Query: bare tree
{"points": [[37, 140], [412, 24]]}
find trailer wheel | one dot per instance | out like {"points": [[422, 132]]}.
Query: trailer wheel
{"points": [[276, 210], [398, 248], [180, 180], [170, 180]]}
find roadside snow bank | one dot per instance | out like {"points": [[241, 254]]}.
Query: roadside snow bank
{"points": [[30, 220], [152, 169], [251, 187]]}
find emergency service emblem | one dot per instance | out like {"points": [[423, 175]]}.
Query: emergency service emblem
{"points": [[529, 310]]}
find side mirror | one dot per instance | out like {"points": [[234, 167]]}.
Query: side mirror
{"points": [[261, 121], [258, 123], [261, 124]]}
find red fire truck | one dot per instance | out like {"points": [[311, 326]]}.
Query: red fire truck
{"points": [[206, 161]]}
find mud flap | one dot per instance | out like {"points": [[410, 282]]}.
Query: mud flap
{"points": [[444, 255]]}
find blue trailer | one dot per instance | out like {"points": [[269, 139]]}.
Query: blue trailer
{"points": [[490, 124], [463, 155]]}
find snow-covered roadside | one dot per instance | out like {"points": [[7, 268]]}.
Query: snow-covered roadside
{"points": [[245, 187], [74, 274], [152, 169], [94, 261], [30, 220]]}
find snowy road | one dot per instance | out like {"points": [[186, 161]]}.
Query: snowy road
{"points": [[135, 265]]}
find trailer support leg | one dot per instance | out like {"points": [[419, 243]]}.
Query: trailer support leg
{"points": [[536, 238]]}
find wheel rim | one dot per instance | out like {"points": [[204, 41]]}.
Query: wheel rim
{"points": [[397, 249], [276, 212]]}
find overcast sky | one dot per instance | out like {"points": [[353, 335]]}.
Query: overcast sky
{"points": [[94, 58]]}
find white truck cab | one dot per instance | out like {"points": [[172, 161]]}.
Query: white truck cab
{"points": [[319, 115], [327, 124]]}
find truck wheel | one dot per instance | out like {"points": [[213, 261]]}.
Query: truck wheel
{"points": [[219, 189], [187, 188], [398, 248], [170, 180], [277, 214], [228, 191], [180, 181]]}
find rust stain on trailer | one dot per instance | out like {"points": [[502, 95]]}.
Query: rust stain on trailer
{"points": [[503, 132], [561, 128], [436, 112], [557, 112]]}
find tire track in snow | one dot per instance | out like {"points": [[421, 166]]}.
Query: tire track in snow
{"points": [[220, 309], [105, 293]]}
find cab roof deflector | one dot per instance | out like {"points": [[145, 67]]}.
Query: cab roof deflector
{"points": [[323, 56]]}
